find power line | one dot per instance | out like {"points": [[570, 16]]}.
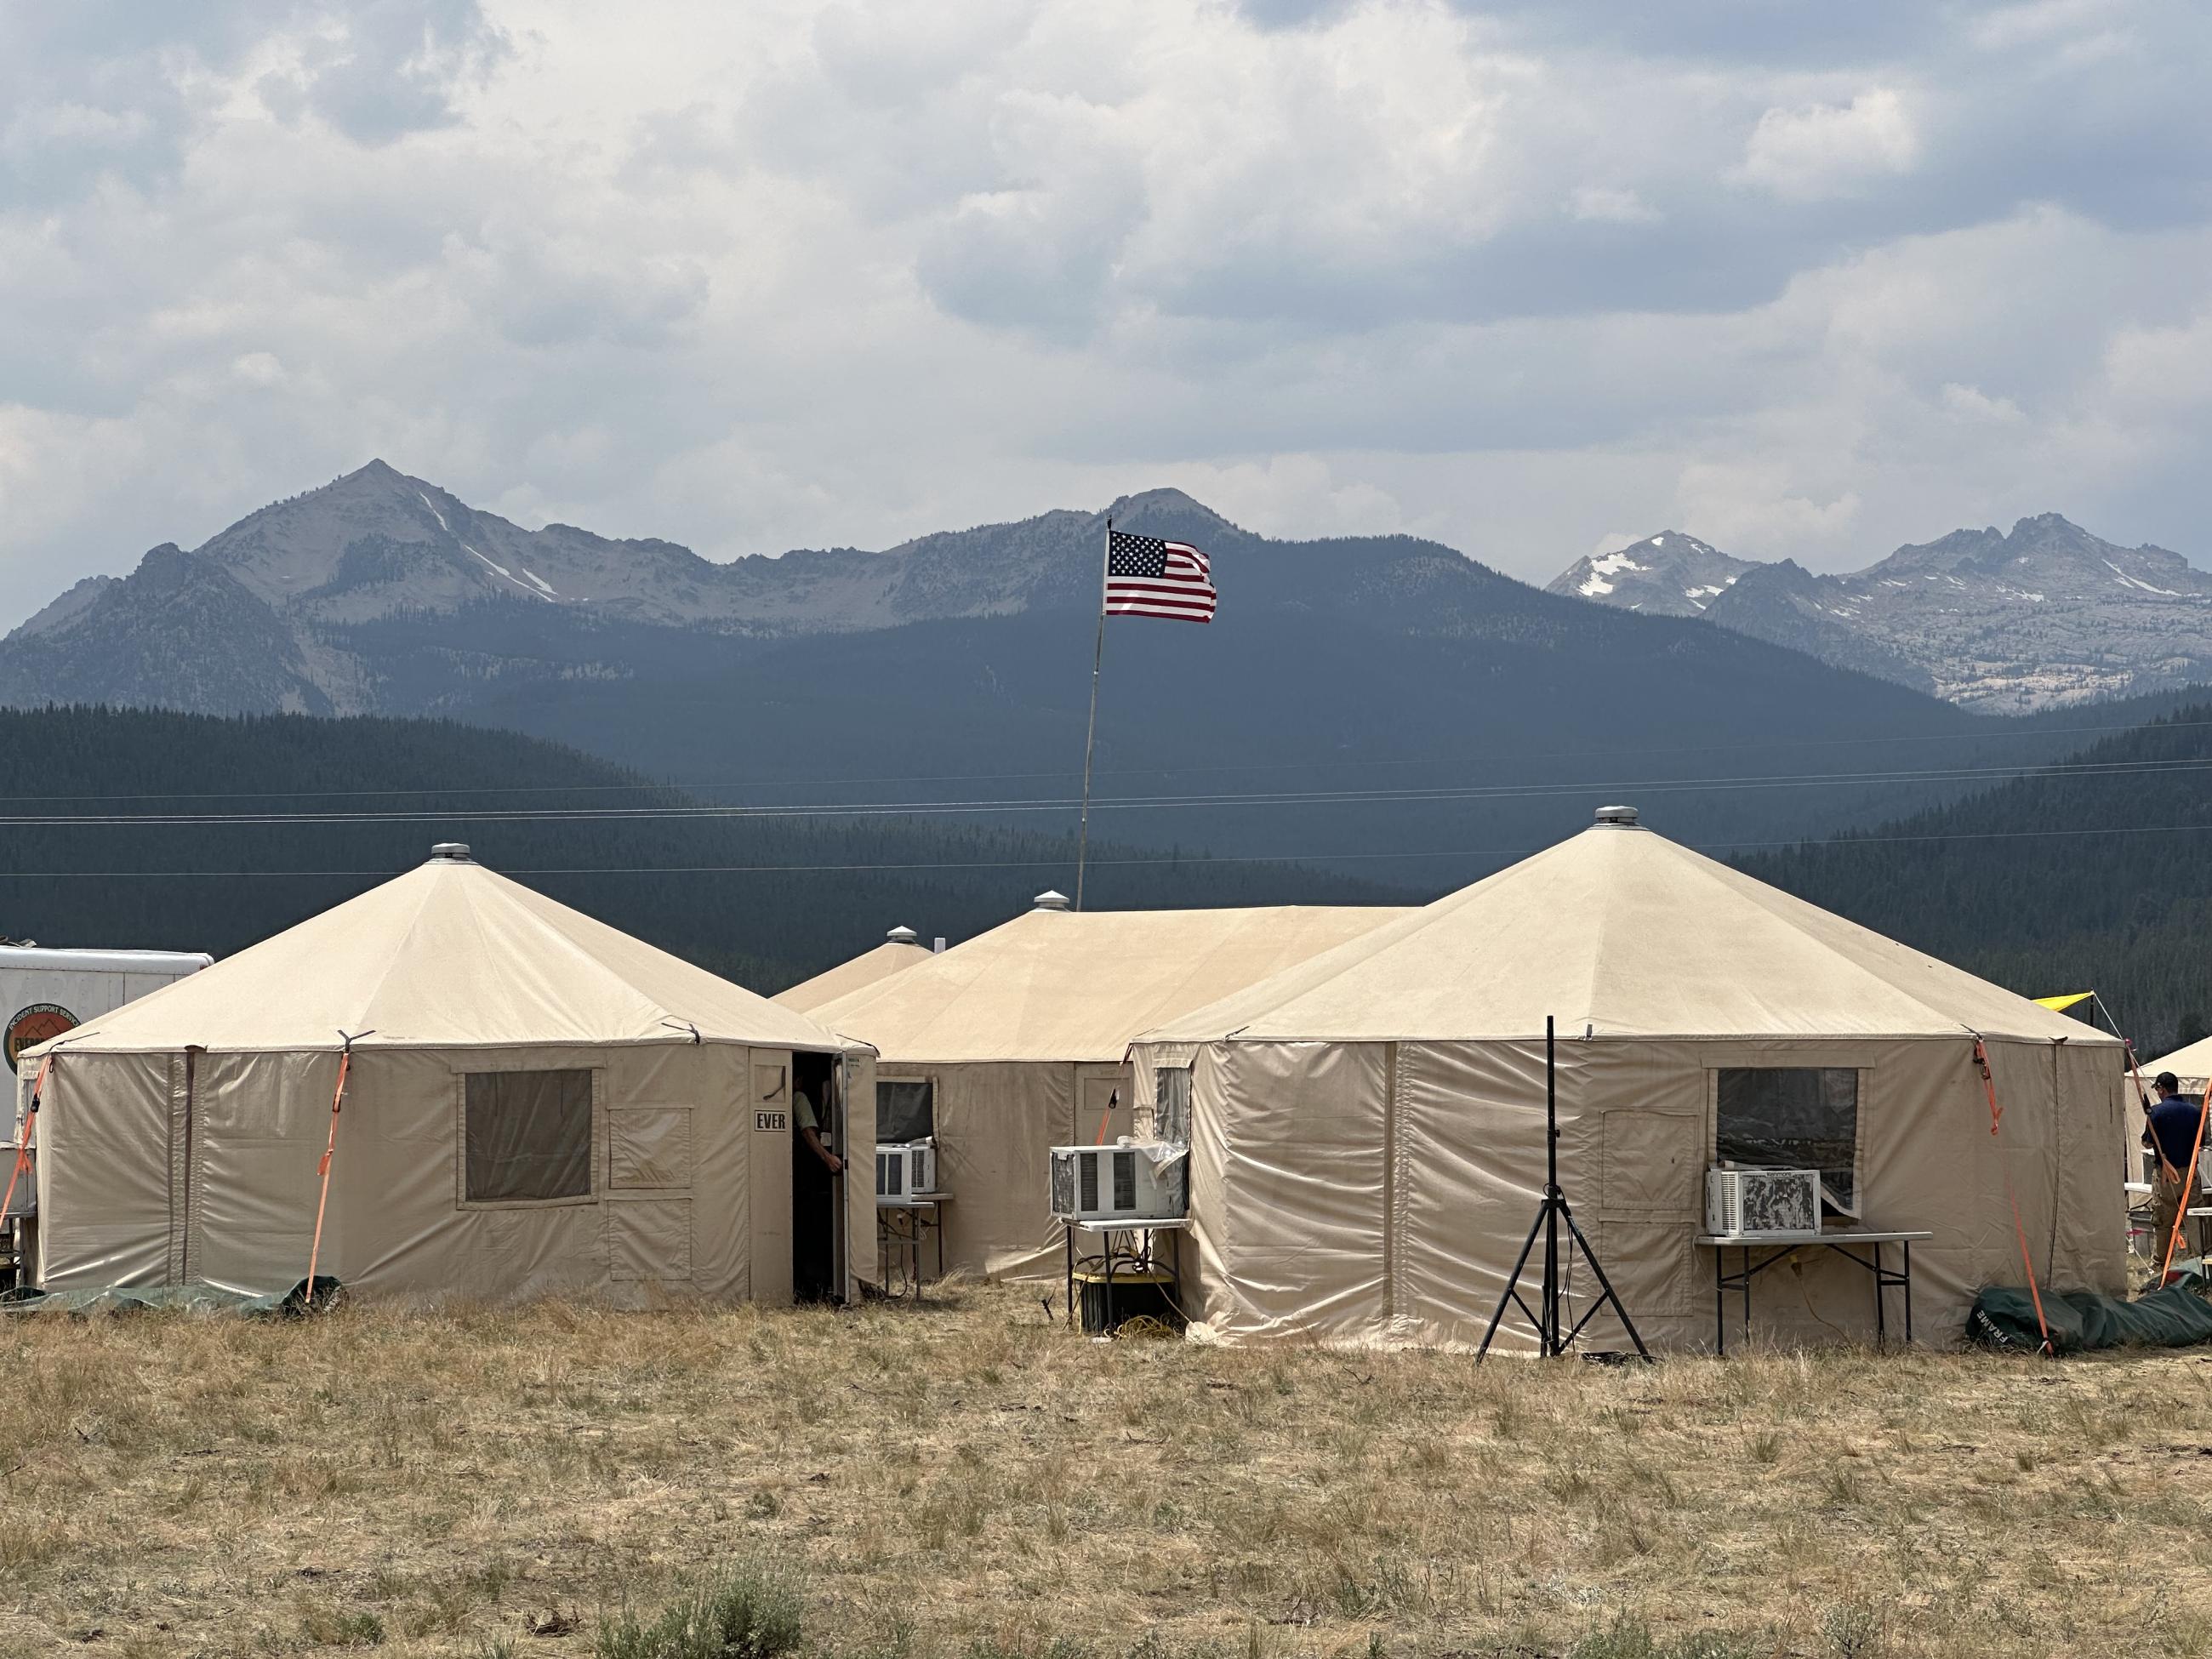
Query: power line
{"points": [[1129, 803], [1062, 862]]}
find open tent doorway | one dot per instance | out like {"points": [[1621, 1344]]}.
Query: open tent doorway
{"points": [[817, 1192]]}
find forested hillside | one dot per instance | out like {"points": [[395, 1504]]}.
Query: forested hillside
{"points": [[199, 832], [2096, 873]]}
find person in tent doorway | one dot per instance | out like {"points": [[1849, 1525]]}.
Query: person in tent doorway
{"points": [[814, 1172], [2170, 1130], [809, 1125]]}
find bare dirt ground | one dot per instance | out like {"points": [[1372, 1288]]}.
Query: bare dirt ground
{"points": [[962, 1476]]}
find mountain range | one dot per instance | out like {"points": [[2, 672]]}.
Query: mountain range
{"points": [[2045, 617], [1382, 705]]}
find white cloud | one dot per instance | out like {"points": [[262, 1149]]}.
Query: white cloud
{"points": [[1817, 152], [1746, 505], [805, 274], [1608, 204], [1972, 403]]}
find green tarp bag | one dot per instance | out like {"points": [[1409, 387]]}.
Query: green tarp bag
{"points": [[2003, 1317]]}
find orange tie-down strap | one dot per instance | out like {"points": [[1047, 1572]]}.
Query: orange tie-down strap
{"points": [[2188, 1192], [23, 1145], [2019, 1231], [337, 1099]]}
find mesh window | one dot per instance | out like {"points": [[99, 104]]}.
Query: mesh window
{"points": [[1792, 1117], [1172, 1117], [527, 1135], [905, 1110]]}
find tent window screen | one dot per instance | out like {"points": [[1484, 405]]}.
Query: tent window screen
{"points": [[1792, 1117], [906, 1111], [1173, 1118], [527, 1136]]}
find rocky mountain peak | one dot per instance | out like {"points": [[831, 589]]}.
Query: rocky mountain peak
{"points": [[1185, 513], [1669, 574], [2047, 614]]}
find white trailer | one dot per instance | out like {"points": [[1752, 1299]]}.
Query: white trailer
{"points": [[43, 993]]}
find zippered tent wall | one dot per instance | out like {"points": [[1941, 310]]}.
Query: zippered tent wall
{"points": [[199, 1168], [1376, 1194]]}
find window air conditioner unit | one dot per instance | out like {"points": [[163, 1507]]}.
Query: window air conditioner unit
{"points": [[1144, 1180], [1762, 1203], [903, 1170]]}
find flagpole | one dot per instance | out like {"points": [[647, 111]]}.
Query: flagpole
{"points": [[1091, 732]]}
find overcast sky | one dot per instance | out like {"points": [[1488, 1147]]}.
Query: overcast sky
{"points": [[1802, 279]]}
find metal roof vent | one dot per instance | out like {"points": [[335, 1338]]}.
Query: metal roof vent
{"points": [[1623, 816], [452, 852], [902, 936], [1050, 899]]}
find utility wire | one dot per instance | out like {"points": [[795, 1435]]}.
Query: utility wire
{"points": [[1127, 802], [1069, 858]]}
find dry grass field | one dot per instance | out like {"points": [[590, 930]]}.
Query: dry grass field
{"points": [[961, 1477]]}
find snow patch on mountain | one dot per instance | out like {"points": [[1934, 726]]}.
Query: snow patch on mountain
{"points": [[1668, 575], [1986, 634]]}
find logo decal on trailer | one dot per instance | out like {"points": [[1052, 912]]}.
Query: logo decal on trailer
{"points": [[772, 1122], [33, 1025]]}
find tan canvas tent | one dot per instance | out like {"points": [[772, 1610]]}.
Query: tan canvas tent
{"points": [[898, 951], [537, 1103], [2191, 1067], [1368, 1126], [1014, 1041]]}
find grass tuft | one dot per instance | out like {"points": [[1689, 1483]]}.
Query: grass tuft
{"points": [[744, 1613]]}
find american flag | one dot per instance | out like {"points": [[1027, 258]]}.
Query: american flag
{"points": [[1148, 577]]}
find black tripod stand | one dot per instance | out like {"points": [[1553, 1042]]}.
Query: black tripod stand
{"points": [[1551, 1213]]}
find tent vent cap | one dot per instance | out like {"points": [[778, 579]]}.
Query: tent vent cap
{"points": [[902, 936], [452, 852], [1050, 899], [1623, 816]]}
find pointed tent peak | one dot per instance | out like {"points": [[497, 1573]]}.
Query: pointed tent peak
{"points": [[901, 950], [449, 954], [1621, 936], [1077, 986], [1051, 899]]}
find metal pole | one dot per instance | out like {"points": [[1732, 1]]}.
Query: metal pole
{"points": [[1091, 732], [1552, 1345]]}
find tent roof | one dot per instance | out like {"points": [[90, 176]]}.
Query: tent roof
{"points": [[1619, 932], [2191, 1064], [447, 956], [847, 978], [1062, 985]]}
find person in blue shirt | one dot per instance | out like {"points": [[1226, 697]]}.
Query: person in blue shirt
{"points": [[2170, 1129]]}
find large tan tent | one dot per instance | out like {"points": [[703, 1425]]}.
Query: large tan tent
{"points": [[1368, 1140], [898, 951], [537, 1102], [2191, 1067], [1014, 1041]]}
